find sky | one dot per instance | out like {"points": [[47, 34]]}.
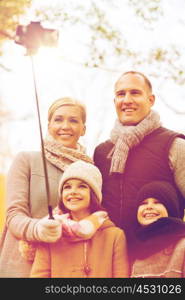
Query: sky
{"points": [[59, 72]]}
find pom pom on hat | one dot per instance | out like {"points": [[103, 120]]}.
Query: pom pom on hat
{"points": [[86, 172], [164, 192]]}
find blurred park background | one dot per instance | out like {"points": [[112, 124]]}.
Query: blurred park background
{"points": [[98, 40]]}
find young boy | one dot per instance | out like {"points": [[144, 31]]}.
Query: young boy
{"points": [[160, 233]]}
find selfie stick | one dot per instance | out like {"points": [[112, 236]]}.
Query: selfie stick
{"points": [[42, 143], [32, 37]]}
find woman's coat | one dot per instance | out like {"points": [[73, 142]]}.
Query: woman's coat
{"points": [[27, 202]]}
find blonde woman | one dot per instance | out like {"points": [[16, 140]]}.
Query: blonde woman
{"points": [[26, 194]]}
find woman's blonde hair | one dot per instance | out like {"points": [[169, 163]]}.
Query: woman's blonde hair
{"points": [[67, 101]]}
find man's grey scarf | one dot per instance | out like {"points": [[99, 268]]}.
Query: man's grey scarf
{"points": [[126, 137]]}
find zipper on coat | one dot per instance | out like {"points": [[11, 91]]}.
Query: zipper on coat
{"points": [[121, 201], [86, 268]]}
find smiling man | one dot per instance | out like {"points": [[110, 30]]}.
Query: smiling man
{"points": [[140, 150], [133, 98]]}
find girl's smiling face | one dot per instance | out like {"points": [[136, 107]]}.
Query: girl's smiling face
{"points": [[76, 198], [150, 210]]}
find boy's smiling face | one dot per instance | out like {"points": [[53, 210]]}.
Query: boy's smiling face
{"points": [[150, 210]]}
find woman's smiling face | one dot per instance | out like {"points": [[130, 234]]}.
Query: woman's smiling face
{"points": [[66, 125], [150, 210]]}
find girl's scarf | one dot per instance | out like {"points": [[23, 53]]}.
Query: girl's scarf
{"points": [[126, 137], [61, 156], [157, 236], [83, 229], [75, 231]]}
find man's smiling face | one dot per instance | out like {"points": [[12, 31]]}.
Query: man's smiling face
{"points": [[133, 99]]}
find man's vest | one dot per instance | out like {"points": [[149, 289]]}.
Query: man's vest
{"points": [[146, 162]]}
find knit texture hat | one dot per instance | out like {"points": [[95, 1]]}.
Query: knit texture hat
{"points": [[87, 172], [164, 192]]}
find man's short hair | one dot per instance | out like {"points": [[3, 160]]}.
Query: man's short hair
{"points": [[147, 81]]}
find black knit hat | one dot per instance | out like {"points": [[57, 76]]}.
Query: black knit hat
{"points": [[165, 193]]}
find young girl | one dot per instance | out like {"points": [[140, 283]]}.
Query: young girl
{"points": [[90, 244], [26, 191], [160, 233]]}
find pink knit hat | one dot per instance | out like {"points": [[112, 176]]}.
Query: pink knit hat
{"points": [[87, 172]]}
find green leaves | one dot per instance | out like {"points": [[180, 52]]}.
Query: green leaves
{"points": [[10, 11]]}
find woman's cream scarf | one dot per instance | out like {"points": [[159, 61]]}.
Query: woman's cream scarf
{"points": [[126, 137], [61, 156]]}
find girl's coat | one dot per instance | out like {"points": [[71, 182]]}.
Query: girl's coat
{"points": [[104, 255]]}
